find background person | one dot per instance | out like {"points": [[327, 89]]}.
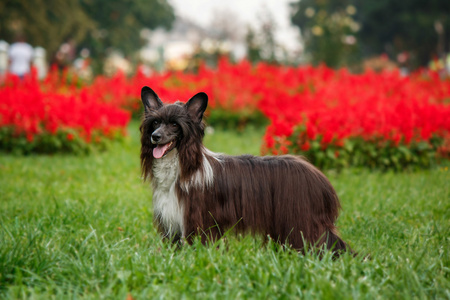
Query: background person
{"points": [[20, 56]]}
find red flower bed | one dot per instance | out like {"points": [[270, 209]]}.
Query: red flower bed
{"points": [[373, 119], [53, 117], [335, 118]]}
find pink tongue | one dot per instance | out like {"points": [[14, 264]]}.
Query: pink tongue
{"points": [[159, 151]]}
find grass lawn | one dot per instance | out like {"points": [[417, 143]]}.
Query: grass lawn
{"points": [[81, 227]]}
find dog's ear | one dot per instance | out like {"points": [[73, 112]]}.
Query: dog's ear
{"points": [[196, 106], [150, 100]]}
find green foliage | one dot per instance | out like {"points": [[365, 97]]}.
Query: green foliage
{"points": [[98, 25], [80, 227], [373, 154], [329, 30], [253, 46], [118, 23], [397, 26], [63, 141], [260, 41], [46, 23], [383, 26]]}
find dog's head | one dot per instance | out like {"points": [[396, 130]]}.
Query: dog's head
{"points": [[171, 126]]}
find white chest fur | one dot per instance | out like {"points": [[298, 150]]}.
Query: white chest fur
{"points": [[167, 209]]}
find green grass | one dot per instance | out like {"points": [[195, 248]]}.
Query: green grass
{"points": [[81, 227]]}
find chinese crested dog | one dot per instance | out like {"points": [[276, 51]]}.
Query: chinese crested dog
{"points": [[199, 192]]}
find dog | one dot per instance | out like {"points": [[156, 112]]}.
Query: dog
{"points": [[199, 192]]}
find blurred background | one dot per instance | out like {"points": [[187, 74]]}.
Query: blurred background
{"points": [[99, 37]]}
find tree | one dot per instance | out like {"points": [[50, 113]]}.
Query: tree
{"points": [[45, 23], [98, 25], [253, 46], [118, 23], [261, 43], [420, 28], [405, 26], [329, 30]]}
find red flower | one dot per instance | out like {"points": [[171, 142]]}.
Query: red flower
{"points": [[306, 146]]}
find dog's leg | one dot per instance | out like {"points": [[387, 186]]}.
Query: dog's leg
{"points": [[176, 238], [336, 244]]}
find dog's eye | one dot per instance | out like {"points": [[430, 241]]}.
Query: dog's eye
{"points": [[175, 125], [155, 123]]}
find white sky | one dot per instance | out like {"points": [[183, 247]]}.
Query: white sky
{"points": [[247, 11]]}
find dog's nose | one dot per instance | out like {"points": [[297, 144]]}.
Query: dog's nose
{"points": [[156, 137]]}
